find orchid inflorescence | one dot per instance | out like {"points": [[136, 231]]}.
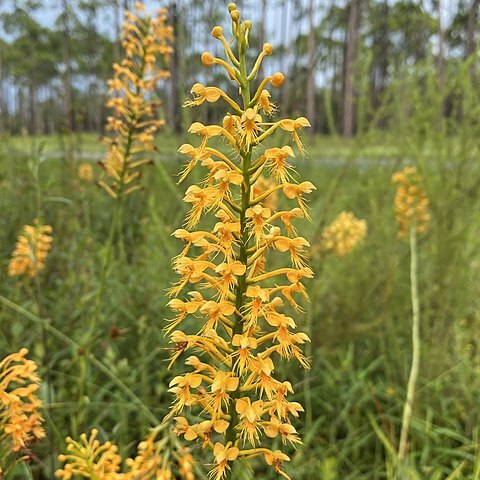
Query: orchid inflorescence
{"points": [[134, 120], [20, 418], [31, 250], [85, 172], [236, 403], [91, 459], [343, 234], [411, 202]]}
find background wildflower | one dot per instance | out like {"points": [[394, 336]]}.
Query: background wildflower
{"points": [[411, 203], [31, 250], [20, 418], [89, 458], [412, 215], [343, 234], [134, 121], [85, 172]]}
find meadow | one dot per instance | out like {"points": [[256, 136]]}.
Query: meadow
{"points": [[112, 374]]}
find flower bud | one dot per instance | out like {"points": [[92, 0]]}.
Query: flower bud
{"points": [[207, 59], [267, 48], [248, 24], [235, 14], [217, 32], [277, 79], [231, 6]]}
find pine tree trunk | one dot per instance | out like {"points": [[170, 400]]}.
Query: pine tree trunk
{"points": [[284, 101], [117, 20], [472, 22], [67, 79], [470, 45], [21, 111], [262, 37], [32, 106], [441, 48], [352, 41], [3, 104], [380, 80], [174, 101], [311, 68]]}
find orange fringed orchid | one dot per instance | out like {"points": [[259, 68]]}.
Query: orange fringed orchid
{"points": [[31, 250], [343, 234], [134, 121], [20, 418], [411, 202], [228, 301], [89, 458]]}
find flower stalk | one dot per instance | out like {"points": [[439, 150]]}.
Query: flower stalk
{"points": [[134, 121], [411, 206], [416, 350]]}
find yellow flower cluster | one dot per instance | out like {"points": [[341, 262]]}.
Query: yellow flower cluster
{"points": [[343, 234], [134, 121], [90, 459], [20, 420], [31, 250], [234, 298], [85, 172], [411, 203]]}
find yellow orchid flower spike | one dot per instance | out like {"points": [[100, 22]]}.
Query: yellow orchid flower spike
{"points": [[228, 301], [31, 250], [21, 423], [411, 202], [134, 120]]}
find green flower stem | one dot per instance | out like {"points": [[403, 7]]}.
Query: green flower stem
{"points": [[37, 153], [414, 370], [243, 254]]}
